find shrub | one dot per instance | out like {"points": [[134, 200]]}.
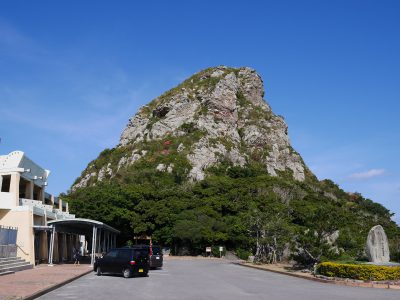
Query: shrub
{"points": [[395, 256], [215, 251], [188, 127], [243, 254], [361, 272]]}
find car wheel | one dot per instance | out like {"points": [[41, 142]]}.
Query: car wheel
{"points": [[98, 272], [126, 273]]}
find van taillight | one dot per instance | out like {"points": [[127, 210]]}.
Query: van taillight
{"points": [[132, 262]]}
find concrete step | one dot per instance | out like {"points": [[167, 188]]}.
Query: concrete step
{"points": [[6, 273], [8, 258], [9, 265], [10, 270], [13, 264], [10, 261]]}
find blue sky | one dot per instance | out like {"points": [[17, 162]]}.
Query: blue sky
{"points": [[72, 73]]}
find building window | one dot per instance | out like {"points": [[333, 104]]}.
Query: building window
{"points": [[5, 187]]}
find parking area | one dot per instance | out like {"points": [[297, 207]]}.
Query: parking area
{"points": [[210, 279]]}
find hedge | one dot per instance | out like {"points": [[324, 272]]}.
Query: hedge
{"points": [[360, 272]]}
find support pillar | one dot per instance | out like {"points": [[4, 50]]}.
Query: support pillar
{"points": [[56, 255], [14, 187], [108, 241], [94, 244], [42, 194], [98, 250], [51, 250], [64, 247], [43, 252], [104, 241], [68, 247], [29, 190]]}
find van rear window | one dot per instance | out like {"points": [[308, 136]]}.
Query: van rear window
{"points": [[156, 250], [140, 252]]}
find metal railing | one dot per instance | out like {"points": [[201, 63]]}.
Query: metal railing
{"points": [[8, 251]]}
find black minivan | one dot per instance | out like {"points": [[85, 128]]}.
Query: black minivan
{"points": [[155, 254], [156, 257], [125, 261]]}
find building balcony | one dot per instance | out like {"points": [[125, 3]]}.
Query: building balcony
{"points": [[66, 215], [63, 214], [41, 209], [51, 214], [37, 207], [30, 202]]}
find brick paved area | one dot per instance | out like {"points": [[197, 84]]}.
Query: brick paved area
{"points": [[25, 284]]}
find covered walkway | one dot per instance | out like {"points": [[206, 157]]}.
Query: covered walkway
{"points": [[100, 237]]}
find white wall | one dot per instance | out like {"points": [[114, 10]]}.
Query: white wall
{"points": [[6, 200]]}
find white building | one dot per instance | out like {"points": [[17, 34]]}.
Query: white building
{"points": [[25, 205], [45, 230]]}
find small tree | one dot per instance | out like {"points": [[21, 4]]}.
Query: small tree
{"points": [[272, 232], [312, 242]]}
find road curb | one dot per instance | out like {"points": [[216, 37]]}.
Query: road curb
{"points": [[284, 273], [345, 282], [55, 286]]}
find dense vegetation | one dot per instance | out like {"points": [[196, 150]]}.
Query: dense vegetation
{"points": [[243, 209]]}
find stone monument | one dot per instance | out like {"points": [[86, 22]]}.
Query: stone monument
{"points": [[377, 245]]}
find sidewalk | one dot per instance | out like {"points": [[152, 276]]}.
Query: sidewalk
{"points": [[32, 283]]}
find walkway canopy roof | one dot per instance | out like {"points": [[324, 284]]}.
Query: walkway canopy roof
{"points": [[80, 226], [103, 236]]}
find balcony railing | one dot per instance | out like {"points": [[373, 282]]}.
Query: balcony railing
{"points": [[39, 208], [30, 202]]}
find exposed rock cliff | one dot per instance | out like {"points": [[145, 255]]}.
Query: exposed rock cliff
{"points": [[216, 116]]}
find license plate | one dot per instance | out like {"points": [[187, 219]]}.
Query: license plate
{"points": [[140, 270], [157, 258]]}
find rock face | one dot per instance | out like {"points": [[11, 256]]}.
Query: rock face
{"points": [[223, 112], [377, 245]]}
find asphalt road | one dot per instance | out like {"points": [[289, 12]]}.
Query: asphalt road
{"points": [[209, 280]]}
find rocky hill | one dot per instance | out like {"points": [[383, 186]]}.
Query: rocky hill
{"points": [[218, 114], [209, 163]]}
